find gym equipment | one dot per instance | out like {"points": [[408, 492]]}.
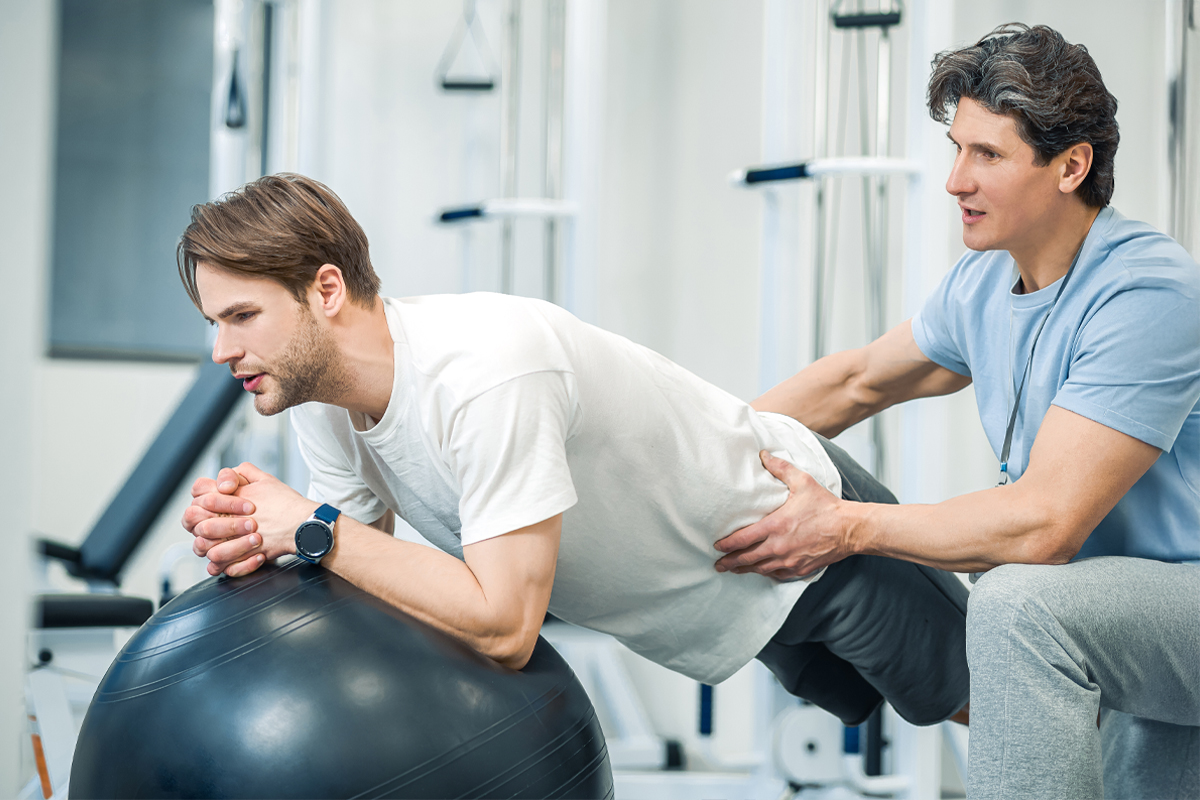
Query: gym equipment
{"points": [[467, 30], [550, 206], [235, 102], [131, 514], [291, 682], [874, 169]]}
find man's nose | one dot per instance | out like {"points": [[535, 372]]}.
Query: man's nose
{"points": [[959, 181], [224, 350]]}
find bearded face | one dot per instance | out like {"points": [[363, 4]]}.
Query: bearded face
{"points": [[275, 345], [309, 369]]}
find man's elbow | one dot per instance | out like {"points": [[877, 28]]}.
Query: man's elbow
{"points": [[1057, 544], [512, 649]]}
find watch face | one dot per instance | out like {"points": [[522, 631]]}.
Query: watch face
{"points": [[314, 539]]}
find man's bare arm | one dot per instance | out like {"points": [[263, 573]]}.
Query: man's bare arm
{"points": [[1078, 470], [845, 388], [494, 600], [386, 523]]}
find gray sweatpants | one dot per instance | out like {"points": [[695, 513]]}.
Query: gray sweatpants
{"points": [[1051, 646]]}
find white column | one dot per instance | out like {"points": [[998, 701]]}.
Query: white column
{"points": [[778, 255], [926, 253], [583, 126], [28, 48]]}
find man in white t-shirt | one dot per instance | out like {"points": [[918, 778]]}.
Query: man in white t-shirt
{"points": [[556, 466]]}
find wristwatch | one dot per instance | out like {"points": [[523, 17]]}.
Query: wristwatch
{"points": [[314, 537]]}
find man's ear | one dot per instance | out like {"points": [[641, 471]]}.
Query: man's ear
{"points": [[328, 290], [1075, 164]]}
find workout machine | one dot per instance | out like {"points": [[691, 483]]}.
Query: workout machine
{"points": [[569, 73], [873, 166]]}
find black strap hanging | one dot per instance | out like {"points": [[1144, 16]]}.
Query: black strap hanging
{"points": [[467, 30], [235, 103], [867, 19]]}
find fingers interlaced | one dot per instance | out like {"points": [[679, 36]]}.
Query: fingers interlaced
{"points": [[203, 486], [219, 503], [224, 533], [229, 480], [217, 527]]}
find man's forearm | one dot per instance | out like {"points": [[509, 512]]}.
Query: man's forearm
{"points": [[971, 533], [428, 584], [845, 388], [822, 396]]}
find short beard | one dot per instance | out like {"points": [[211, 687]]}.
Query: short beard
{"points": [[310, 370]]}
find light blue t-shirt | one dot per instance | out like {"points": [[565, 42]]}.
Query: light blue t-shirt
{"points": [[1122, 348]]}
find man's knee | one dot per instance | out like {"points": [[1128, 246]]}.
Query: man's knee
{"points": [[1004, 600]]}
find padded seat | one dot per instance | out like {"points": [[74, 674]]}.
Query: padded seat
{"points": [[91, 611]]}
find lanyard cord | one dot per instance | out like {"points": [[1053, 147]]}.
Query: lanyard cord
{"points": [[1012, 420]]}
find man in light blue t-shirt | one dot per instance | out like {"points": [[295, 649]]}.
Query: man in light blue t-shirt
{"points": [[1080, 330]]}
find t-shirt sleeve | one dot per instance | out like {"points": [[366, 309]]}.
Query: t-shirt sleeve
{"points": [[1136, 365], [331, 480], [937, 327], [508, 449]]}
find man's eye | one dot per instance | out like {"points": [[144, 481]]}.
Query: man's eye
{"points": [[245, 315]]}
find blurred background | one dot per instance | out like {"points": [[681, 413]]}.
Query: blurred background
{"points": [[586, 145]]}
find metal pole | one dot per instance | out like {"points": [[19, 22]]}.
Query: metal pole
{"points": [[878, 290], [821, 148], [1179, 20], [555, 41], [509, 126]]}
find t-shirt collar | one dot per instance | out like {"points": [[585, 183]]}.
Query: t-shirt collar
{"points": [[398, 402], [1047, 294]]}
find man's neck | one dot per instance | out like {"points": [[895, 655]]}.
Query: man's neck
{"points": [[1045, 262], [368, 351]]}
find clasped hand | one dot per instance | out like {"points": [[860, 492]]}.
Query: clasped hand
{"points": [[243, 518], [800, 537]]}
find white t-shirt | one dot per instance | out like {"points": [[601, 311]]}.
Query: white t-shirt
{"points": [[506, 411]]}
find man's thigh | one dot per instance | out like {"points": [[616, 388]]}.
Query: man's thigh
{"points": [[858, 484], [1132, 624], [901, 627], [1120, 633]]}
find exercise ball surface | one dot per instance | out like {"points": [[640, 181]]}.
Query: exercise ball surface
{"points": [[293, 683]]}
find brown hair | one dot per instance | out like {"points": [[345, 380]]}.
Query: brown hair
{"points": [[1050, 87], [283, 227]]}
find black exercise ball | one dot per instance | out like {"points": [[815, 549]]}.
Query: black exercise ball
{"points": [[293, 683]]}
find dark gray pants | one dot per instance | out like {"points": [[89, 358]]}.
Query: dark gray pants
{"points": [[874, 629]]}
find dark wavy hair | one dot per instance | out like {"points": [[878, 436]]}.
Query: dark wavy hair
{"points": [[283, 227], [1051, 88]]}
